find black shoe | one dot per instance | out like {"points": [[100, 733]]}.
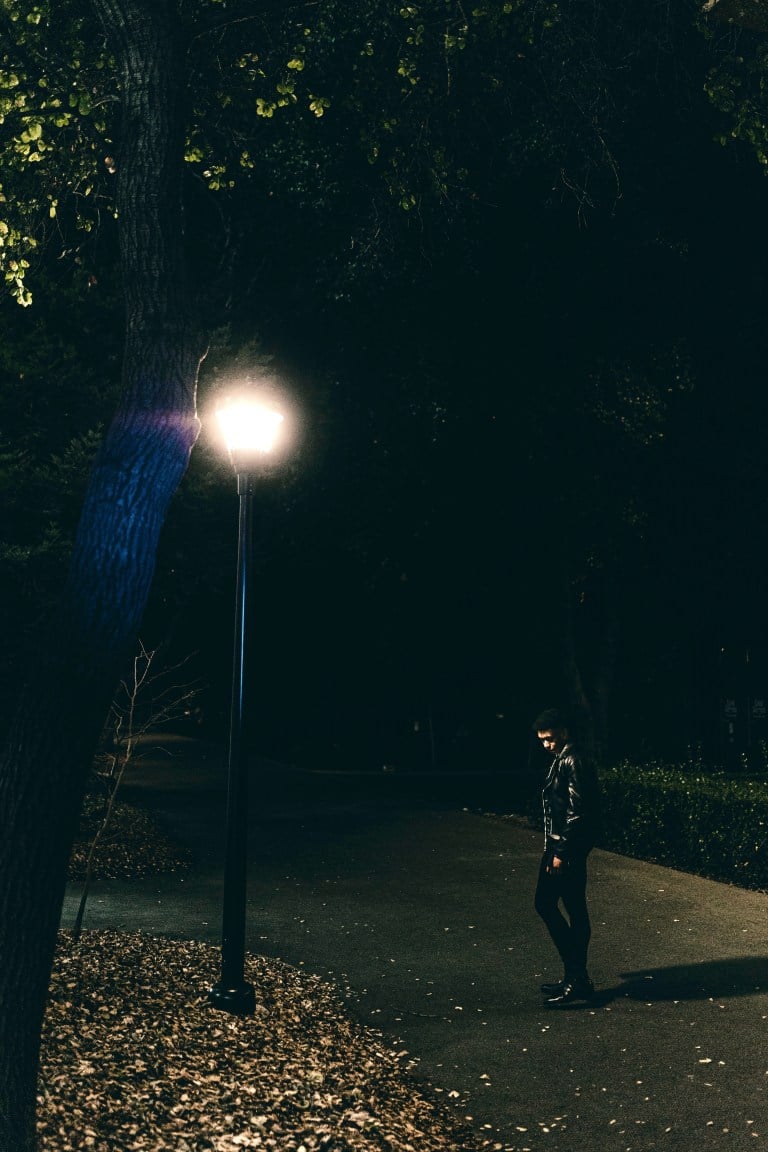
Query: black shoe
{"points": [[553, 989], [582, 989]]}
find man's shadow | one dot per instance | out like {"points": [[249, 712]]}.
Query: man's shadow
{"points": [[710, 979]]}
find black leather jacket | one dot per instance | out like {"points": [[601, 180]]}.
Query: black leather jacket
{"points": [[571, 801]]}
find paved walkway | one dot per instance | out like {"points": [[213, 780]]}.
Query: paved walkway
{"points": [[424, 912]]}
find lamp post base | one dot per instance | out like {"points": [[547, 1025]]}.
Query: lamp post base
{"points": [[239, 1001]]}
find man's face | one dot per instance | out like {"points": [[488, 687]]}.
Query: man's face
{"points": [[553, 739]]}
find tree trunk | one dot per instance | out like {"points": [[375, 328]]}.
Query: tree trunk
{"points": [[143, 458], [605, 663], [578, 698]]}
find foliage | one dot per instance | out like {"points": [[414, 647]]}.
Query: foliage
{"points": [[381, 73], [708, 823], [376, 125], [431, 115], [57, 107], [738, 83]]}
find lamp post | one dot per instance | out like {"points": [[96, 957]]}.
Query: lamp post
{"points": [[250, 430]]}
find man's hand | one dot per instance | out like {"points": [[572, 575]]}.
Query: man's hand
{"points": [[556, 863]]}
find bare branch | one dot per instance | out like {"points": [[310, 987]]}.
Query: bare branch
{"points": [[126, 729]]}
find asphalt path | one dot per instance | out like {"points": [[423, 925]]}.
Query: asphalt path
{"points": [[420, 909]]}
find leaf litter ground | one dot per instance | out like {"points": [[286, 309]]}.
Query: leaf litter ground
{"points": [[130, 847], [135, 1058]]}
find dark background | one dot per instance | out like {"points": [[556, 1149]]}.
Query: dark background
{"points": [[530, 454]]}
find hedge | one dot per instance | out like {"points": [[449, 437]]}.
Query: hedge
{"points": [[705, 823]]}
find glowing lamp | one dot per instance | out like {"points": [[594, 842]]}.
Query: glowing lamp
{"points": [[250, 430]]}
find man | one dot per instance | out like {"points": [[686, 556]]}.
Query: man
{"points": [[570, 800]]}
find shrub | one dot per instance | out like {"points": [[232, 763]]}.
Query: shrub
{"points": [[708, 823]]}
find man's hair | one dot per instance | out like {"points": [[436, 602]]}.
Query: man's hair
{"points": [[550, 720]]}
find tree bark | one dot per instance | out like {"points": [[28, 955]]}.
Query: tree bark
{"points": [[605, 663], [142, 460], [578, 698]]}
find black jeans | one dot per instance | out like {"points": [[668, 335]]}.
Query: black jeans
{"points": [[567, 885]]}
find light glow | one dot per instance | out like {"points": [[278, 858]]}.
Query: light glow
{"points": [[249, 429]]}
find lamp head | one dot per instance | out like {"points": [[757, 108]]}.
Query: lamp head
{"points": [[251, 431]]}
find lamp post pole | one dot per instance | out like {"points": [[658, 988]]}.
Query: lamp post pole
{"points": [[250, 430], [233, 993]]}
